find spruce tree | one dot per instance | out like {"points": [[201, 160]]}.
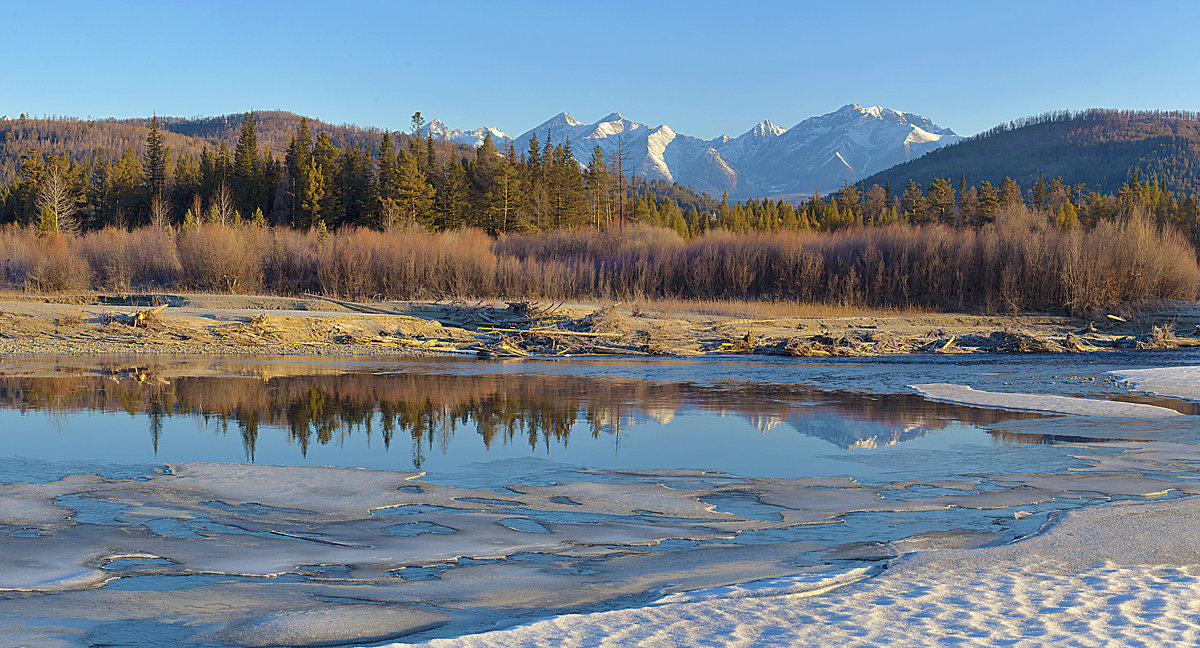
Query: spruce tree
{"points": [[388, 175], [414, 193], [154, 162], [297, 164], [597, 180], [312, 196], [454, 198], [245, 165]]}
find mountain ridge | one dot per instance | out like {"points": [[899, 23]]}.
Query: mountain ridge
{"points": [[820, 153]]}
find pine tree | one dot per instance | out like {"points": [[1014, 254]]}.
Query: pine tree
{"points": [[312, 196], [941, 201], [989, 201], [297, 163], [328, 159], [567, 191], [454, 198], [672, 217], [246, 165], [154, 162], [1039, 192], [387, 182], [504, 198], [414, 193], [915, 205], [598, 180]]}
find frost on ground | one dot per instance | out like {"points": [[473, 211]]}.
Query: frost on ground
{"points": [[1176, 382], [217, 554], [1124, 574], [964, 395]]}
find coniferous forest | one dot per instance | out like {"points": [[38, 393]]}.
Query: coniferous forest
{"points": [[287, 205]]}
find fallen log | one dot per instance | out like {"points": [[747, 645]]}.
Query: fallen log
{"points": [[549, 332], [353, 306]]}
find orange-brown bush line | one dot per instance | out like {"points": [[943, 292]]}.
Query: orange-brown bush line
{"points": [[1021, 262]]}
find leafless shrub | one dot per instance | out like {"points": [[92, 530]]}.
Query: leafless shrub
{"points": [[58, 267], [215, 257], [1022, 262], [121, 260], [289, 261]]}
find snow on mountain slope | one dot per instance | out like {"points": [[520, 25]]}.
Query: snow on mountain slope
{"points": [[473, 138], [652, 152], [819, 154], [824, 152], [736, 148]]}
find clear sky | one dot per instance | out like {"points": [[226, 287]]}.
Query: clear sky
{"points": [[704, 68]]}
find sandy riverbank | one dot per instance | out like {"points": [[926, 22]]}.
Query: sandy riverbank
{"points": [[226, 325]]}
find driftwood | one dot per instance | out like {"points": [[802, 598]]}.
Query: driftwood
{"points": [[543, 331], [363, 308]]}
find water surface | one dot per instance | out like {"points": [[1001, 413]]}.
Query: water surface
{"points": [[516, 489]]}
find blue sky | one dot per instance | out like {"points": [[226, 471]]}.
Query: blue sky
{"points": [[705, 68]]}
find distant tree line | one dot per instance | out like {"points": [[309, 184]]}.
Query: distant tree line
{"points": [[321, 182]]}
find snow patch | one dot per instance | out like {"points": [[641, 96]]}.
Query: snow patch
{"points": [[964, 395], [1176, 382]]}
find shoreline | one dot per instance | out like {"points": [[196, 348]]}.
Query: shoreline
{"points": [[210, 325]]}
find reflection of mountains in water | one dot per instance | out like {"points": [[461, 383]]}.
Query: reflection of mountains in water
{"points": [[501, 408]]}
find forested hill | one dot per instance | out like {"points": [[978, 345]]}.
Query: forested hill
{"points": [[1098, 148], [109, 138]]}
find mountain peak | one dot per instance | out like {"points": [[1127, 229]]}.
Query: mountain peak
{"points": [[765, 128], [567, 118], [472, 138], [766, 160]]}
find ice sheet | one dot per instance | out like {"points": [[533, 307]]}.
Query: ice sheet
{"points": [[1102, 576], [965, 395], [1176, 382], [272, 563]]}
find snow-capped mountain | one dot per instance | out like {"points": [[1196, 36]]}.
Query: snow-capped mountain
{"points": [[821, 153], [472, 138], [651, 152], [818, 154], [736, 148]]}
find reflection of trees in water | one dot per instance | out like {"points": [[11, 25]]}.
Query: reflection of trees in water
{"points": [[429, 409]]}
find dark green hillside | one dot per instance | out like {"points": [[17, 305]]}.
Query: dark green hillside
{"points": [[1098, 148]]}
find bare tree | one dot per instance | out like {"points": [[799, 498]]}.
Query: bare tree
{"points": [[221, 205], [56, 204], [389, 214], [160, 211]]}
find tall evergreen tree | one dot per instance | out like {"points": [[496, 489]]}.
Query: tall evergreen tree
{"points": [[387, 178], [297, 165], [454, 199], [598, 181], [415, 194], [154, 162], [311, 195], [246, 166]]}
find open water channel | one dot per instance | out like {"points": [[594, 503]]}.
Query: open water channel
{"points": [[283, 501]]}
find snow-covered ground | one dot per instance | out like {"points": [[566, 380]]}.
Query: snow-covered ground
{"points": [[1105, 576]]}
